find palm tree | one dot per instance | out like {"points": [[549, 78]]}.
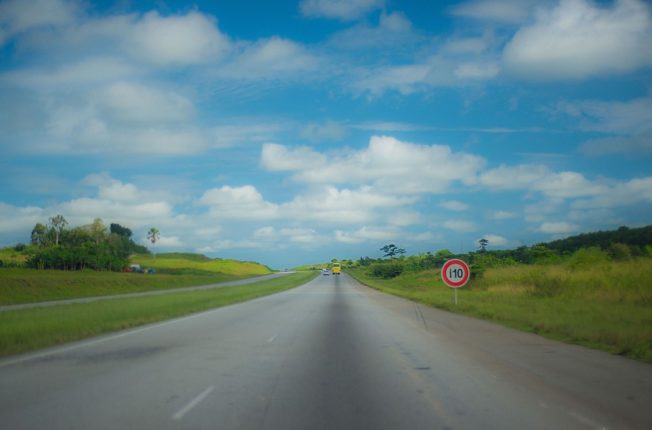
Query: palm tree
{"points": [[153, 235]]}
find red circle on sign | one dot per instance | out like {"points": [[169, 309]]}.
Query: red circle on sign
{"points": [[445, 276]]}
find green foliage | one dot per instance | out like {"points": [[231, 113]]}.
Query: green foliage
{"points": [[80, 248], [392, 250], [600, 303], [619, 251], [587, 257], [387, 270]]}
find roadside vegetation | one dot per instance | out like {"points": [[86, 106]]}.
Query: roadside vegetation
{"points": [[594, 290], [31, 329]]}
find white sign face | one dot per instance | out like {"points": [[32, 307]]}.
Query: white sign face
{"points": [[455, 273]]}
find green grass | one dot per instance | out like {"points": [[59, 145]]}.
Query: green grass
{"points": [[177, 263], [606, 306], [9, 257], [30, 285], [175, 270], [30, 329]]}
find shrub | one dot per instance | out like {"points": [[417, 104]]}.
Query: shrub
{"points": [[620, 251], [387, 270], [587, 256]]}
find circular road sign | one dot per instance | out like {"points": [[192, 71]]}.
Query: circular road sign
{"points": [[455, 273]]}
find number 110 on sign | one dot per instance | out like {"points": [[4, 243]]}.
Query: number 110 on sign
{"points": [[455, 273]]}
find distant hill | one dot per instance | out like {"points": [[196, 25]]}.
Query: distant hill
{"points": [[188, 263], [634, 237]]}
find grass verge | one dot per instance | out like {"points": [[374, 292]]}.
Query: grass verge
{"points": [[31, 329], [607, 307], [19, 285]]}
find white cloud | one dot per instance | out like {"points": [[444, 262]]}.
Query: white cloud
{"points": [[176, 40], [540, 179], [241, 132], [17, 16], [460, 226], [387, 163], [324, 131], [345, 10], [366, 234], [132, 102], [632, 146], [334, 206], [632, 117], [453, 205], [558, 227], [578, 39], [494, 240], [273, 58], [16, 218], [238, 203], [501, 215]]}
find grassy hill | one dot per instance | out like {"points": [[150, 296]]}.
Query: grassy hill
{"points": [[187, 263], [23, 285]]}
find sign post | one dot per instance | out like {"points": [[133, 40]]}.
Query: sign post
{"points": [[455, 273]]}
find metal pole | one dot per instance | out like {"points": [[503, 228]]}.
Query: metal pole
{"points": [[455, 296]]}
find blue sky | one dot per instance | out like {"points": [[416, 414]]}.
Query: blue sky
{"points": [[292, 132]]}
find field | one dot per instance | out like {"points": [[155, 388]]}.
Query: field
{"points": [[606, 306], [21, 285], [178, 263], [30, 329]]}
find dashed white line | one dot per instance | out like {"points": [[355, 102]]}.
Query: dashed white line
{"points": [[194, 402], [271, 339]]}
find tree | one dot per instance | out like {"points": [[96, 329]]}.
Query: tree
{"points": [[392, 250], [153, 235], [120, 230], [58, 223], [483, 244], [98, 230], [39, 234]]}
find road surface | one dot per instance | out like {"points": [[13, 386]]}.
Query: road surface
{"points": [[331, 354]]}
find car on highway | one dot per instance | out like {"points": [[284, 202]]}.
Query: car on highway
{"points": [[325, 272]]}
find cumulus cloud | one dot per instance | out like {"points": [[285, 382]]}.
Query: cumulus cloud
{"points": [[365, 234], [272, 58], [540, 179], [558, 227], [192, 38], [344, 10], [494, 240], [238, 203], [387, 163], [17, 16], [578, 38]]}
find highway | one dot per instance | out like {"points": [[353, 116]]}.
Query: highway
{"points": [[331, 354]]}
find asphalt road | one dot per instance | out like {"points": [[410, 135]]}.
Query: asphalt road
{"points": [[331, 354]]}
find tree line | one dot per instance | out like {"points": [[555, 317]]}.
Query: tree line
{"points": [[620, 244], [94, 246]]}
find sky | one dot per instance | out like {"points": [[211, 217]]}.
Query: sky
{"points": [[294, 132]]}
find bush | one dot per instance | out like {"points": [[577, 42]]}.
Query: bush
{"points": [[620, 251], [587, 256], [387, 270]]}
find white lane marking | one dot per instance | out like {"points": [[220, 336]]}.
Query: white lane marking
{"points": [[194, 402], [271, 339], [586, 421]]}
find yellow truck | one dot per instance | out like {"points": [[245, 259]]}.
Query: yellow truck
{"points": [[336, 269]]}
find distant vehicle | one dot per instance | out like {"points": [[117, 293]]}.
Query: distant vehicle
{"points": [[337, 268], [325, 272]]}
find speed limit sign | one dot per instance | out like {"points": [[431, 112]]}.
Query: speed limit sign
{"points": [[455, 273]]}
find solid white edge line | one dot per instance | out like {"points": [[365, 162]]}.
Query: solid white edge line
{"points": [[194, 402], [271, 339]]}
